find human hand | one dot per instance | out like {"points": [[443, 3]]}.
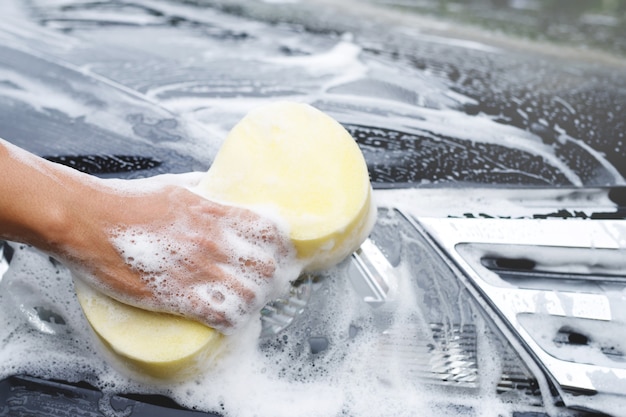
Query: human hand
{"points": [[151, 243], [155, 244]]}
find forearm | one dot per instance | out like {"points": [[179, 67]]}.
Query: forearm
{"points": [[150, 243], [39, 199]]}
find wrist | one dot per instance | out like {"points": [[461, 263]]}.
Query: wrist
{"points": [[56, 229], [61, 223]]}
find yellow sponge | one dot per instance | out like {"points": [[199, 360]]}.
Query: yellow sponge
{"points": [[157, 344], [287, 156], [302, 162]]}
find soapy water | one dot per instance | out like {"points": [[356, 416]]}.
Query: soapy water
{"points": [[471, 112], [250, 253], [172, 79], [341, 356]]}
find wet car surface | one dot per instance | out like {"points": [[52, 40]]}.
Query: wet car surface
{"points": [[499, 162]]}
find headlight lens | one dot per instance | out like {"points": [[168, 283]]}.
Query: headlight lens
{"points": [[399, 297], [558, 287], [400, 320]]}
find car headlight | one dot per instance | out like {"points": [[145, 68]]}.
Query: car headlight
{"points": [[421, 320], [559, 287], [462, 315]]}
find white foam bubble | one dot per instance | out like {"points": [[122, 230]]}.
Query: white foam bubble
{"points": [[360, 370], [252, 262]]}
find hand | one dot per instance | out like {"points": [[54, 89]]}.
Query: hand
{"points": [[154, 244], [151, 243]]}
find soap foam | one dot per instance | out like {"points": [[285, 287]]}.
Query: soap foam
{"points": [[255, 264], [282, 378], [357, 374]]}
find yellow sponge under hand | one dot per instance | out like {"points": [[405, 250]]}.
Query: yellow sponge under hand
{"points": [[297, 159], [157, 344], [287, 156]]}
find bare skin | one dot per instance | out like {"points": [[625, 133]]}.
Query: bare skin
{"points": [[77, 218]]}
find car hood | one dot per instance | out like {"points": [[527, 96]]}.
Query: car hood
{"points": [[428, 108], [498, 167]]}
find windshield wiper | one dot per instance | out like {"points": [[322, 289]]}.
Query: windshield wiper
{"points": [[105, 164]]}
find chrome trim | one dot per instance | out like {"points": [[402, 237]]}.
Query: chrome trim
{"points": [[584, 247], [370, 267], [4, 263]]}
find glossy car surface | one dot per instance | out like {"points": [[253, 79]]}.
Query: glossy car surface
{"points": [[498, 165]]}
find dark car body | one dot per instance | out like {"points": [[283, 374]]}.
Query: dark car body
{"points": [[498, 166]]}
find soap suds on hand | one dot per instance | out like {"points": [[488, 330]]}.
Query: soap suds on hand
{"points": [[255, 268]]}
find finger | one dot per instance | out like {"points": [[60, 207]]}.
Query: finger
{"points": [[209, 315], [263, 268], [221, 307], [209, 253]]}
